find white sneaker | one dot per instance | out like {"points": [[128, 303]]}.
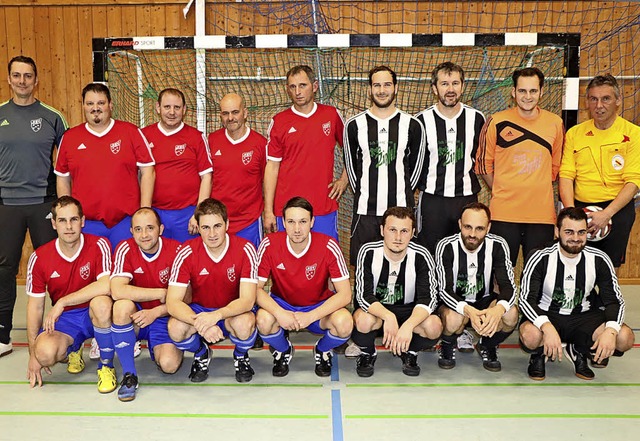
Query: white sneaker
{"points": [[5, 349], [136, 349], [94, 353], [352, 351], [465, 341]]}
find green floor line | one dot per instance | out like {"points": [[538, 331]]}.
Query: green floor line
{"points": [[496, 416], [537, 384], [93, 383], [171, 415]]}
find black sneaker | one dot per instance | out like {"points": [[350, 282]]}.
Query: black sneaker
{"points": [[600, 364], [244, 372], [365, 363], [323, 362], [281, 361], [200, 367], [580, 364], [447, 358], [128, 387], [258, 345], [489, 358], [536, 368], [410, 364]]}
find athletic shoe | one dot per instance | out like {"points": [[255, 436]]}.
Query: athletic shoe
{"points": [[244, 371], [128, 387], [352, 351], [489, 358], [107, 380], [536, 370], [580, 364], [447, 358], [410, 363], [200, 366], [365, 364], [94, 353], [281, 361], [323, 362], [465, 342], [136, 349], [258, 345], [75, 362], [599, 365], [5, 349]]}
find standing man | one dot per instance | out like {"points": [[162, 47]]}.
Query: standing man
{"points": [[601, 166], [139, 280], [469, 263], [452, 132], [74, 269], [300, 264], [569, 293], [384, 151], [221, 271], [397, 294], [98, 164], [29, 132], [519, 158], [300, 153], [239, 158], [183, 166]]}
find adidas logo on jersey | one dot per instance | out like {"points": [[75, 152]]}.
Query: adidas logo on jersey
{"points": [[383, 130], [292, 130], [54, 275], [4, 123], [452, 130], [473, 265], [280, 266], [394, 274], [569, 278], [589, 133], [204, 272], [82, 147], [218, 153], [139, 270]]}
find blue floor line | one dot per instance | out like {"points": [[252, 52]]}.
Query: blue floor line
{"points": [[335, 369], [336, 415]]}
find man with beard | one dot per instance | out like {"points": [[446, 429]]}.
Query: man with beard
{"points": [[384, 150], [519, 158], [239, 158], [452, 132], [98, 164], [468, 264], [569, 293]]}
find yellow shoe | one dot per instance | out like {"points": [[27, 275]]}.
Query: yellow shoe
{"points": [[107, 381], [75, 362]]}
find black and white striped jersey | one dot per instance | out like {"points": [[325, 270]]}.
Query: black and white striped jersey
{"points": [[411, 281], [451, 145], [383, 159], [465, 277], [554, 283]]}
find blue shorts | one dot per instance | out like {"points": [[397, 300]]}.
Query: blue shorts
{"points": [[198, 309], [313, 327], [76, 324], [176, 223], [253, 233], [157, 333], [327, 224], [116, 234]]}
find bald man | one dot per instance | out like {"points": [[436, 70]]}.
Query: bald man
{"points": [[239, 158]]}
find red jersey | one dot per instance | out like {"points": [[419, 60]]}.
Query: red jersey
{"points": [[238, 169], [305, 147], [301, 279], [104, 169], [182, 157], [51, 271], [145, 272], [215, 282]]}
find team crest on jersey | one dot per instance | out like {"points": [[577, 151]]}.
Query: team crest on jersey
{"points": [[326, 128], [85, 270], [617, 162], [164, 275], [36, 124], [179, 149], [115, 146], [246, 157], [310, 271], [231, 273]]}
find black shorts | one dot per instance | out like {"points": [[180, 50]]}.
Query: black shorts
{"points": [[438, 216], [530, 236], [576, 328], [364, 229], [402, 313], [480, 304], [615, 244]]}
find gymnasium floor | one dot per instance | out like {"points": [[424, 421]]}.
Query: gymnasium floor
{"points": [[466, 403]]}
